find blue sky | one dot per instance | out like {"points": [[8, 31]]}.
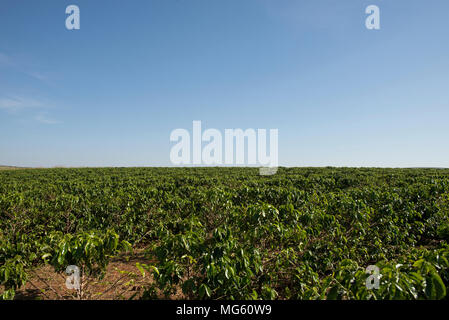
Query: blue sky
{"points": [[110, 93]]}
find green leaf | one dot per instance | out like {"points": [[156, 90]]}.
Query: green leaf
{"points": [[204, 291], [333, 293], [45, 256], [440, 288], [141, 269]]}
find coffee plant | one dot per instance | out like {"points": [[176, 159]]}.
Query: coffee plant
{"points": [[229, 233]]}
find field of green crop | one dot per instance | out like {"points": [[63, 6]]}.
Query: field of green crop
{"points": [[229, 233], [7, 168]]}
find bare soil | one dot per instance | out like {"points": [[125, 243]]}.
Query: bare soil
{"points": [[123, 280]]}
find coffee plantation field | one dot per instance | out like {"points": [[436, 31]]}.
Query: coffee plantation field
{"points": [[227, 233]]}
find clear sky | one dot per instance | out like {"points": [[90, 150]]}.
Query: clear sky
{"points": [[110, 93]]}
